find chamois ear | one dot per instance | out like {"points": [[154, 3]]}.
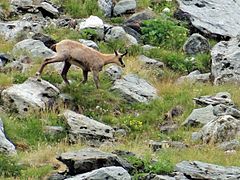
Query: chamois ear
{"points": [[124, 53], [116, 53]]}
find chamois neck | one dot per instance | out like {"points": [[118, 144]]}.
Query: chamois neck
{"points": [[109, 58]]}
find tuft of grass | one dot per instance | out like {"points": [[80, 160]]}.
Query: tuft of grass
{"points": [[143, 4], [9, 167], [6, 46]]}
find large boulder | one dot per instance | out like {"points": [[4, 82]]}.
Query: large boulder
{"points": [[225, 61], [212, 17], [33, 94], [196, 43], [47, 40], [82, 127], [90, 159], [48, 10], [124, 6], [200, 116], [110, 173], [221, 110], [221, 129], [106, 6], [34, 48], [6, 146], [135, 89], [201, 170], [11, 29]]}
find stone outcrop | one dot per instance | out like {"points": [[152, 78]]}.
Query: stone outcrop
{"points": [[124, 6]]}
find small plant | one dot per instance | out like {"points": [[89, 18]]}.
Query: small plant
{"points": [[9, 167], [164, 32], [19, 78]]}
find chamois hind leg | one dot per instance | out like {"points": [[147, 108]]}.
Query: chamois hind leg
{"points": [[55, 58], [85, 76], [96, 78], [66, 67]]}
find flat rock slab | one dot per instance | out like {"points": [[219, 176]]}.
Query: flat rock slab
{"points": [[200, 116], [149, 62], [6, 146], [225, 61], [219, 98], [33, 94], [90, 159], [212, 17], [110, 173], [135, 89], [82, 127], [201, 170], [194, 77], [124, 6]]}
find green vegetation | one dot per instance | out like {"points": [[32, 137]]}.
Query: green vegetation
{"points": [[9, 167]]}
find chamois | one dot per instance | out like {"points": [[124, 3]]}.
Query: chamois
{"points": [[72, 52]]}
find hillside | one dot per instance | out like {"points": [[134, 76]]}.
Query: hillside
{"points": [[171, 113]]}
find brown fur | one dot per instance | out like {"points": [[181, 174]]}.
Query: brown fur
{"points": [[72, 52]]}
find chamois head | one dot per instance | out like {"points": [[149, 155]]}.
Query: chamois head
{"points": [[119, 58]]}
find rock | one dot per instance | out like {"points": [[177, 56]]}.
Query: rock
{"points": [[47, 40], [225, 61], [166, 144], [230, 145], [118, 33], [87, 160], [201, 170], [194, 77], [221, 110], [4, 59], [196, 136], [114, 72], [89, 43], [122, 153], [56, 176], [148, 47], [141, 16], [82, 127], [34, 48], [106, 6], [168, 128], [129, 30], [53, 130], [31, 95], [15, 66], [110, 173], [150, 62], [219, 98], [11, 29], [174, 176], [224, 128], [124, 6], [200, 116], [48, 10], [6, 146], [21, 3], [134, 89], [196, 43], [204, 15], [166, 10]]}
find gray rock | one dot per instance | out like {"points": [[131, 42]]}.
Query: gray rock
{"points": [[16, 66], [124, 6], [47, 40], [53, 130], [224, 128], [168, 128], [22, 3], [6, 146], [48, 10], [141, 16], [148, 47], [11, 29], [200, 116], [225, 61], [134, 89], [219, 98], [230, 145], [221, 110], [201, 170], [87, 160], [155, 145], [34, 48], [33, 94], [82, 127], [196, 136], [204, 15], [110, 173], [114, 72], [194, 77], [89, 43], [172, 176], [150, 62], [56, 176], [106, 6], [196, 43]]}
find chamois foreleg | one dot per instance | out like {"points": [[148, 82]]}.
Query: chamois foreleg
{"points": [[85, 76], [96, 78], [66, 67], [56, 58]]}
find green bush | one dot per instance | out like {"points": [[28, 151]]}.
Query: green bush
{"points": [[9, 167], [164, 32]]}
